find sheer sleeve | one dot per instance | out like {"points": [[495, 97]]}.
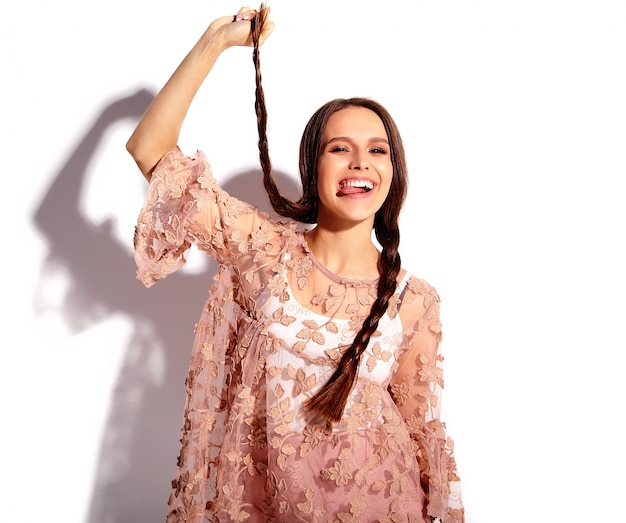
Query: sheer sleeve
{"points": [[185, 206], [416, 389]]}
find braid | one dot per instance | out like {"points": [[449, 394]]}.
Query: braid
{"points": [[331, 399], [283, 206]]}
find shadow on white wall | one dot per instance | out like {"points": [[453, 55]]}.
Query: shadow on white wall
{"points": [[140, 439]]}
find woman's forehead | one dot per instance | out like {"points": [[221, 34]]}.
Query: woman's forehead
{"points": [[355, 122]]}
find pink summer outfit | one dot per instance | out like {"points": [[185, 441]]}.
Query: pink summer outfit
{"points": [[269, 336]]}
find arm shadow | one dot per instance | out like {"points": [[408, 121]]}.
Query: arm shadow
{"points": [[140, 440]]}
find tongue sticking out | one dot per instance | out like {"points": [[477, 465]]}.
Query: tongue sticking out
{"points": [[344, 191]]}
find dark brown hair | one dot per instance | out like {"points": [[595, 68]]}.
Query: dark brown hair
{"points": [[330, 400]]}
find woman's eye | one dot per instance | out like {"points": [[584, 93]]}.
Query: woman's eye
{"points": [[338, 149], [378, 150]]}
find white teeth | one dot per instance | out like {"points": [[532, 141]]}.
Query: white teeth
{"points": [[363, 184]]}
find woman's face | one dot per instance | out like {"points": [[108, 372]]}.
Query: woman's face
{"points": [[354, 171]]}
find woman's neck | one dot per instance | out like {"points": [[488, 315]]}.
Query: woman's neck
{"points": [[349, 253]]}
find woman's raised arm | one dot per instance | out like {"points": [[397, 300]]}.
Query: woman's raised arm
{"points": [[159, 128]]}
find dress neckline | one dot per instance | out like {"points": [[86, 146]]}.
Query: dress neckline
{"points": [[327, 272]]}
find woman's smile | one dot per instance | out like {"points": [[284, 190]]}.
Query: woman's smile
{"points": [[355, 166]]}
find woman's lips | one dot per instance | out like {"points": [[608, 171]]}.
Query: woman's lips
{"points": [[361, 186]]}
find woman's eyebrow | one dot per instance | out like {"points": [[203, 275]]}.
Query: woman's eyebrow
{"points": [[348, 139]]}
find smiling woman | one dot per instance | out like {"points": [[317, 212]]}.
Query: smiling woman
{"points": [[354, 172], [315, 376]]}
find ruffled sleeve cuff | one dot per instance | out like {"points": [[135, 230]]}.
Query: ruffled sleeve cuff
{"points": [[440, 481], [161, 238]]}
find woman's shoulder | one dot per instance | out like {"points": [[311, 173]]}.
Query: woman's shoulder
{"points": [[415, 284], [418, 300]]}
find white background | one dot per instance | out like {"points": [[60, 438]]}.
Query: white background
{"points": [[513, 115]]}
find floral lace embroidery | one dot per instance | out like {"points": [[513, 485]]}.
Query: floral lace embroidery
{"points": [[269, 335]]}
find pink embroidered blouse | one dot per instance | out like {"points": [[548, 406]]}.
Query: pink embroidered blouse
{"points": [[269, 336]]}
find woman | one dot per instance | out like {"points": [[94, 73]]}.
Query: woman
{"points": [[314, 382]]}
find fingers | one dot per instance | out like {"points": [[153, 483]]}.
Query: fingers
{"points": [[245, 13]]}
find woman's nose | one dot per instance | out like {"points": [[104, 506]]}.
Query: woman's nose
{"points": [[358, 163]]}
